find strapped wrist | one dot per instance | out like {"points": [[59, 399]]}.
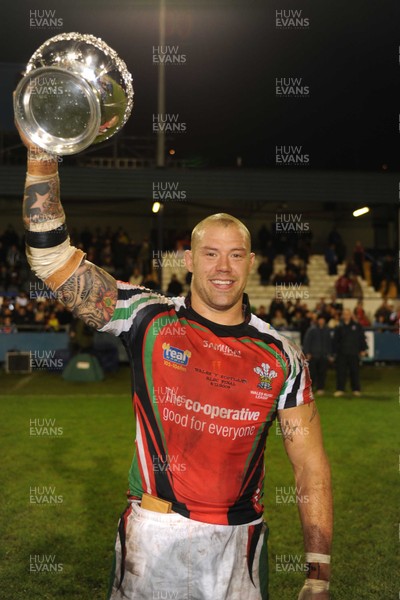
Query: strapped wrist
{"points": [[316, 585], [314, 557]]}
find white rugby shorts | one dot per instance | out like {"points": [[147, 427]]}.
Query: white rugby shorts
{"points": [[166, 556]]}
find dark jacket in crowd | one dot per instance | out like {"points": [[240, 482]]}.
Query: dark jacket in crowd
{"points": [[318, 341], [349, 339]]}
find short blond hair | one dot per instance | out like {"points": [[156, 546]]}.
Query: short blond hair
{"points": [[219, 219]]}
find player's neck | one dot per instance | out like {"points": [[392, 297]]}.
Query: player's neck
{"points": [[230, 316]]}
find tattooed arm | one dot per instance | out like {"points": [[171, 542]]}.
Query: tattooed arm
{"points": [[301, 432], [89, 292]]}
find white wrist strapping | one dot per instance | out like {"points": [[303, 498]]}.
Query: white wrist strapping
{"points": [[316, 585], [314, 557]]}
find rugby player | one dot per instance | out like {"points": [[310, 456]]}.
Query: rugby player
{"points": [[209, 379]]}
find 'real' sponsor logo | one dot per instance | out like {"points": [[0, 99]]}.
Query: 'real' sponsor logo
{"points": [[176, 355], [227, 350], [266, 375]]}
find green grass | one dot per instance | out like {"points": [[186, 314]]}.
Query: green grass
{"points": [[88, 467]]}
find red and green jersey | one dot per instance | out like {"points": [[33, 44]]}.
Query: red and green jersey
{"points": [[205, 396]]}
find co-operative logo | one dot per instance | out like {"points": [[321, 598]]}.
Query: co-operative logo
{"points": [[176, 355]]}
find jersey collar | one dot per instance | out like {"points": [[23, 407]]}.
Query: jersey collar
{"points": [[245, 308]]}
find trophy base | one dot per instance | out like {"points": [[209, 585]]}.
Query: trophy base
{"points": [[65, 105]]}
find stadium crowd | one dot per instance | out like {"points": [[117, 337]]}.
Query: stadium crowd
{"points": [[26, 304]]}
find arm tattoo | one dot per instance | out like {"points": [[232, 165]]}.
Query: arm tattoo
{"points": [[42, 202], [314, 411], [288, 430], [91, 294]]}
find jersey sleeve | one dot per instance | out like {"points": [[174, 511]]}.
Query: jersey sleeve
{"points": [[297, 389], [131, 301]]}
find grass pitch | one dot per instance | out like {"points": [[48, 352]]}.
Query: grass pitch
{"points": [[63, 548]]}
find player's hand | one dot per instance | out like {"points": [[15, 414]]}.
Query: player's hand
{"points": [[30, 146], [314, 589]]}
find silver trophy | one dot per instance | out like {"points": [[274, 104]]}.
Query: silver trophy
{"points": [[76, 91]]}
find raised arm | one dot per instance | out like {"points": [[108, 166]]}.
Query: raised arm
{"points": [[84, 288], [302, 437]]}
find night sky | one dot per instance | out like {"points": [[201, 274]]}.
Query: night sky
{"points": [[347, 55]]}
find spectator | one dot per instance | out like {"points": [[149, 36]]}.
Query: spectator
{"points": [[175, 288], [355, 286], [21, 299], [151, 281], [343, 287], [279, 278], [21, 316], [380, 325], [14, 257], [385, 311], [331, 259], [40, 315], [63, 315], [335, 304], [10, 237], [8, 326], [333, 321], [265, 270], [301, 321], [318, 350], [144, 257], [264, 236], [136, 278], [335, 240], [262, 313], [349, 346], [360, 316], [53, 323], [278, 321], [276, 304], [358, 258], [389, 282], [394, 319], [322, 309], [108, 265]]}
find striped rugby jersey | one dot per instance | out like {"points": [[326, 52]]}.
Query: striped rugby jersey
{"points": [[205, 396]]}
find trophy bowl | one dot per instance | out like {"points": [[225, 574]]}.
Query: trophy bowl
{"points": [[75, 92]]}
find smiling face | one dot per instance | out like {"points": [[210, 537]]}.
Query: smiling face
{"points": [[220, 261]]}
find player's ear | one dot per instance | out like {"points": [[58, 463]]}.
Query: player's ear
{"points": [[189, 260], [252, 259]]}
